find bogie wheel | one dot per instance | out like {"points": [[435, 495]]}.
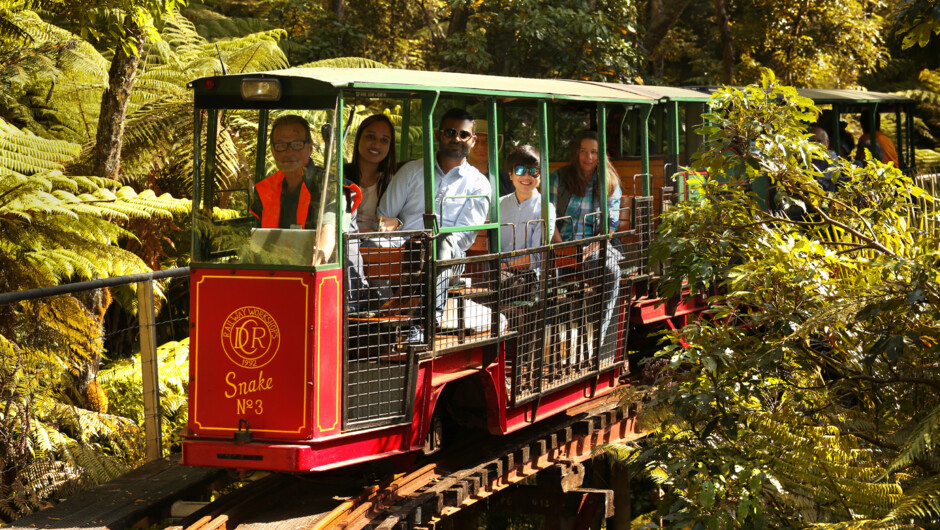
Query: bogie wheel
{"points": [[435, 437]]}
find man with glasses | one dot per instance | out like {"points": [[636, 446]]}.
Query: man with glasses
{"points": [[461, 196], [290, 198]]}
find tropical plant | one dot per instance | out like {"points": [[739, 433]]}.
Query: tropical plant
{"points": [[808, 393], [34, 70], [56, 228], [122, 384]]}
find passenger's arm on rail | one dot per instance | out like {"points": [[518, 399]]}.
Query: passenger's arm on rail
{"points": [[388, 224], [400, 189], [326, 242], [326, 237]]}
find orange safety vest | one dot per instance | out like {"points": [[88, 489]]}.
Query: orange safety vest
{"points": [[887, 147], [269, 193]]}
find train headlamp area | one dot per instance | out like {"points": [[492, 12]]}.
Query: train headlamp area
{"points": [[255, 89]]}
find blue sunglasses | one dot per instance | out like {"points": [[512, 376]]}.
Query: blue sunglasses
{"points": [[521, 170]]}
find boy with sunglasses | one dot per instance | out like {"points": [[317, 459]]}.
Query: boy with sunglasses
{"points": [[521, 207]]}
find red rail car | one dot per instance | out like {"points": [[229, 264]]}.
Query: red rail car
{"points": [[306, 363]]}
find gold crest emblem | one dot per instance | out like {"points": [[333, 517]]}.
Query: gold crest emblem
{"points": [[250, 337]]}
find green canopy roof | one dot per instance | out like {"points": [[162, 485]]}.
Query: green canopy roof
{"points": [[389, 79]]}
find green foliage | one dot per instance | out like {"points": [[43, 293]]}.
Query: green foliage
{"points": [[917, 20], [34, 94], [122, 382], [158, 143], [58, 228], [825, 44], [807, 393], [548, 40], [563, 38], [105, 21], [49, 448]]}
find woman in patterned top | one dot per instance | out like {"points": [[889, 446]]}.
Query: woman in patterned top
{"points": [[577, 198]]}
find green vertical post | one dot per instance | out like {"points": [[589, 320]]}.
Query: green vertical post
{"points": [[262, 147], [602, 165], [543, 169], [405, 128], [493, 118], [338, 134], [635, 129], [428, 103], [642, 125], [196, 246], [550, 118], [212, 132], [673, 149], [622, 120]]}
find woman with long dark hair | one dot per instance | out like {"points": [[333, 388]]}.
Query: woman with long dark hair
{"points": [[372, 166]]}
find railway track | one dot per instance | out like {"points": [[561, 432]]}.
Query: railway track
{"points": [[441, 487]]}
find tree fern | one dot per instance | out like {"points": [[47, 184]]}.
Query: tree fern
{"points": [[122, 381], [921, 502], [46, 83], [343, 62]]}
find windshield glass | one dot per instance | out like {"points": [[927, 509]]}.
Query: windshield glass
{"points": [[268, 190]]}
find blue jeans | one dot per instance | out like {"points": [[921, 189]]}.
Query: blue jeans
{"points": [[606, 276]]}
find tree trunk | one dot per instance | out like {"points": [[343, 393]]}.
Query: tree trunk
{"points": [[339, 7], [727, 42], [458, 20], [121, 78], [661, 20]]}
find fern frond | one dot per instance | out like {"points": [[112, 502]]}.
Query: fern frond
{"points": [[344, 62], [921, 502], [921, 442]]}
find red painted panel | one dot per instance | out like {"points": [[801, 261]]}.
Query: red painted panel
{"points": [[559, 401], [656, 310], [251, 353], [313, 456], [328, 357]]}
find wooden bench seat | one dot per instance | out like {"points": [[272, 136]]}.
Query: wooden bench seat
{"points": [[382, 262]]}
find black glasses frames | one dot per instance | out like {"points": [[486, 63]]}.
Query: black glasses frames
{"points": [[451, 132], [296, 145]]}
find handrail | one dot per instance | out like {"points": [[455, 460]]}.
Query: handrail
{"points": [[29, 294]]}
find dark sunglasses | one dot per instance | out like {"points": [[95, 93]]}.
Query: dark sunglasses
{"points": [[520, 170], [450, 133], [296, 145]]}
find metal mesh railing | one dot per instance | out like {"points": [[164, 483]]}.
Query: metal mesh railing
{"points": [[385, 318]]}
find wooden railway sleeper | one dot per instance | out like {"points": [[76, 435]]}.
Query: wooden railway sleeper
{"points": [[558, 451]]}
